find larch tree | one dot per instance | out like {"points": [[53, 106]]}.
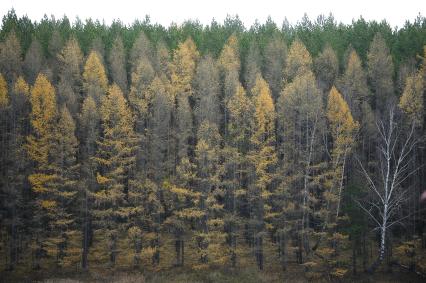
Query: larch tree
{"points": [[54, 47], [380, 72], [10, 57], [39, 147], [207, 91], [326, 67], [299, 127], [70, 65], [117, 64], [343, 130], [65, 186], [142, 48], [14, 165], [95, 81], [299, 60], [89, 130], [140, 97], [412, 101], [274, 64], [263, 159], [116, 159], [353, 85], [34, 61], [252, 66], [236, 163], [230, 65], [209, 236]]}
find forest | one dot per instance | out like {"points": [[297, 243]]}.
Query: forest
{"points": [[294, 149]]}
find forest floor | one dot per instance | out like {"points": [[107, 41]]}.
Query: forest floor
{"points": [[183, 275]]}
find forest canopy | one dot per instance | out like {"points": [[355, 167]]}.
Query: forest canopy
{"points": [[212, 146]]}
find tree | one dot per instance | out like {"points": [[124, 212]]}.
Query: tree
{"points": [[14, 164], [88, 136], [182, 68], [354, 86], [117, 64], [252, 66], [395, 150], [411, 101], [141, 49], [210, 236], [343, 129], [65, 189], [299, 124], [274, 65], [116, 160], [71, 61], [380, 72], [10, 57], [236, 163], [34, 61], [299, 60], [95, 82], [206, 96], [264, 159], [229, 63], [39, 146], [326, 67]]}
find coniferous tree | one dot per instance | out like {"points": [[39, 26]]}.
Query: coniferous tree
{"points": [[380, 72], [116, 159], [34, 61], [274, 65], [117, 64], [10, 57]]}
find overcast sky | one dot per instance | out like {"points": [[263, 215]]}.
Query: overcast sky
{"points": [[396, 12]]}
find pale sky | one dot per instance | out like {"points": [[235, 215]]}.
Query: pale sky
{"points": [[396, 12]]}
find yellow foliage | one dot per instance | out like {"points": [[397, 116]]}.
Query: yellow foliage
{"points": [[339, 272], [4, 97], [411, 101], [299, 60], [22, 87], [183, 67], [229, 59], [265, 110], [48, 204], [343, 127], [94, 72]]}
